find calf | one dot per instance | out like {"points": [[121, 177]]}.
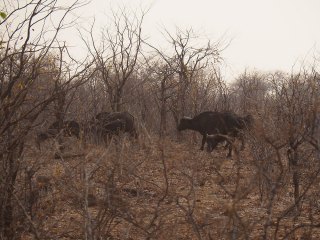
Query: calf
{"points": [[214, 139], [68, 129], [223, 123], [240, 124]]}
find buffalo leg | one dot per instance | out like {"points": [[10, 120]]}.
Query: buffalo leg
{"points": [[211, 144], [242, 143], [230, 150], [204, 139]]}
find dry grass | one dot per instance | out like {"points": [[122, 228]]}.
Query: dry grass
{"points": [[142, 190]]}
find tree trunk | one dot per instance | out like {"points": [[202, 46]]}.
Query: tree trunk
{"points": [[6, 215], [293, 162]]}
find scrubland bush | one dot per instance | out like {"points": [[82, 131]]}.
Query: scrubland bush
{"points": [[158, 186]]}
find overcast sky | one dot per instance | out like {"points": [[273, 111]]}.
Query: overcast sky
{"points": [[264, 34]]}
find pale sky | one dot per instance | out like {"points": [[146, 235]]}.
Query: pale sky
{"points": [[265, 35]]}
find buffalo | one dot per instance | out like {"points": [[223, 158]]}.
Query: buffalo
{"points": [[68, 129], [108, 124], [221, 124]]}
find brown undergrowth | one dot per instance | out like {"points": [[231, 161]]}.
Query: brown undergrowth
{"points": [[160, 189]]}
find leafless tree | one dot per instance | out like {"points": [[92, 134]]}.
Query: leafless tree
{"points": [[249, 92], [118, 53], [27, 40], [187, 60]]}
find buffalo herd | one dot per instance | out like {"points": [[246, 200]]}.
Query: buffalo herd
{"points": [[215, 127], [103, 126]]}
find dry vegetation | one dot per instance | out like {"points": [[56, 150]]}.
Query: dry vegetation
{"points": [[160, 185]]}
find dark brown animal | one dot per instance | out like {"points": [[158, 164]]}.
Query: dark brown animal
{"points": [[214, 139], [107, 124], [223, 123], [68, 129]]}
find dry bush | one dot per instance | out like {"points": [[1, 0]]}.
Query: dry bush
{"points": [[158, 186]]}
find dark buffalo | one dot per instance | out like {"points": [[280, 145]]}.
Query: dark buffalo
{"points": [[106, 124], [68, 129], [222, 123], [102, 117]]}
